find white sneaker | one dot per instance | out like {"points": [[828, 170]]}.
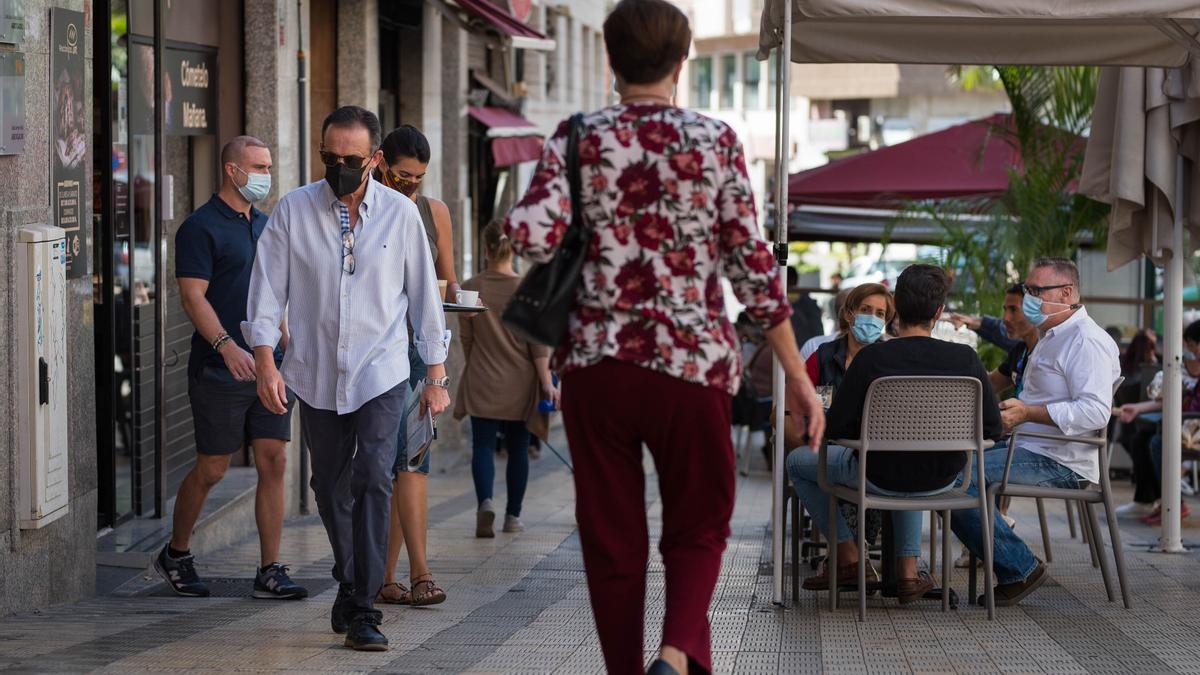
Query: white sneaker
{"points": [[485, 519], [513, 524], [963, 561], [1134, 509], [1009, 521]]}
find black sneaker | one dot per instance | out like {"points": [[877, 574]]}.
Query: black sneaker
{"points": [[339, 621], [180, 574], [364, 635], [275, 584]]}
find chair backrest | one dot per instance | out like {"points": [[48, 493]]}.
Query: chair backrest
{"points": [[1106, 451], [923, 413]]}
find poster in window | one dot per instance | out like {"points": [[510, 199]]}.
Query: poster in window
{"points": [[68, 133]]}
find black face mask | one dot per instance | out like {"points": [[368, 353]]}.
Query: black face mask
{"points": [[343, 180]]}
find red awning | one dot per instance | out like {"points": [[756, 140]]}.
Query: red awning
{"points": [[509, 151], [970, 160], [514, 138], [521, 34]]}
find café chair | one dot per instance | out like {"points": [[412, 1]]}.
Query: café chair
{"points": [[915, 414], [1086, 496]]}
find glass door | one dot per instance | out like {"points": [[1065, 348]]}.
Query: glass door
{"points": [[126, 197], [112, 281]]}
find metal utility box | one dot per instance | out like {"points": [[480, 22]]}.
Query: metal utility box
{"points": [[42, 375]]}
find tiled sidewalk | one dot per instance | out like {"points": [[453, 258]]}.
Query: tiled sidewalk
{"points": [[518, 603]]}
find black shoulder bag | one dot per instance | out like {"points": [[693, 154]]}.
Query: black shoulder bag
{"points": [[539, 310]]}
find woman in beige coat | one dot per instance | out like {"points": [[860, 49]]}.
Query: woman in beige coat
{"points": [[502, 383]]}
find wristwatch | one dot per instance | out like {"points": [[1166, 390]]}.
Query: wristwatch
{"points": [[443, 382]]}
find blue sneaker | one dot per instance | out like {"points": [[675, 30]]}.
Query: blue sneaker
{"points": [[180, 574], [275, 584]]}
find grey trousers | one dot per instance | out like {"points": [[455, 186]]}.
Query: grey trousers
{"points": [[352, 459]]}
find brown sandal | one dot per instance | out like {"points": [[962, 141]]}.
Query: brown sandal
{"points": [[425, 591], [394, 593]]}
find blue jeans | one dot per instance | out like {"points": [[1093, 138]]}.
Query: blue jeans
{"points": [[483, 459], [1011, 558], [417, 370], [842, 469]]}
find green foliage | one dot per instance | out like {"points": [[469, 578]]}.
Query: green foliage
{"points": [[990, 243], [991, 355], [976, 78]]}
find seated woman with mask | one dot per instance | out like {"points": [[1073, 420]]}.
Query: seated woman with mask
{"points": [[867, 310]]}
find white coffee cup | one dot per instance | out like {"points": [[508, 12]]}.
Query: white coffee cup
{"points": [[468, 298]]}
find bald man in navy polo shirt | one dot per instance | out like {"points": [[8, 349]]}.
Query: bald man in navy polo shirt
{"points": [[214, 254]]}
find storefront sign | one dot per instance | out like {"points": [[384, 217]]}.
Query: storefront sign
{"points": [[12, 21], [12, 103], [68, 134], [190, 92]]}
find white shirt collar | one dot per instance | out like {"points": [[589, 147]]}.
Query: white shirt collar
{"points": [[1079, 315]]}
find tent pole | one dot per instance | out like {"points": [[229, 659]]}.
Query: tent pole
{"points": [[783, 106], [1170, 541]]}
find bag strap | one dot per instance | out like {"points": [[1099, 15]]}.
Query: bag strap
{"points": [[573, 177]]}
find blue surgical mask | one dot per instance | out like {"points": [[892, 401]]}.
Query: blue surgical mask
{"points": [[867, 328], [1031, 307], [257, 186]]}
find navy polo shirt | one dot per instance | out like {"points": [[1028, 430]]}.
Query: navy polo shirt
{"points": [[216, 243]]}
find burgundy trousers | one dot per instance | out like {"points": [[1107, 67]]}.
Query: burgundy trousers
{"points": [[610, 410]]}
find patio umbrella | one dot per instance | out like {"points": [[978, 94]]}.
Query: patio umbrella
{"points": [[1158, 33], [1141, 155]]}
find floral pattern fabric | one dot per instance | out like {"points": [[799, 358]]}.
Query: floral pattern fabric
{"points": [[669, 200]]}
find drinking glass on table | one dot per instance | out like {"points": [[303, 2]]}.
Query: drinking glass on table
{"points": [[826, 394]]}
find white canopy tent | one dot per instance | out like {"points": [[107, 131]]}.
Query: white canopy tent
{"points": [[1146, 33]]}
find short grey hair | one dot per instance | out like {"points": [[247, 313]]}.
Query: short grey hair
{"points": [[1061, 266], [235, 149]]}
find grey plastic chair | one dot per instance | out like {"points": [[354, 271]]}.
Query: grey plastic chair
{"points": [[914, 414], [1086, 496]]}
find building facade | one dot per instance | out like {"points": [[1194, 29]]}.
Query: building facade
{"points": [[169, 84], [835, 108]]}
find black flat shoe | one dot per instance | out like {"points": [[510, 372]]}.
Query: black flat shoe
{"points": [[364, 634]]}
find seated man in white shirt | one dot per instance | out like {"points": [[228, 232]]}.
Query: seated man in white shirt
{"points": [[1068, 390]]}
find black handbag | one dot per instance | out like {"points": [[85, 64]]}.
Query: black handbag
{"points": [[539, 310]]}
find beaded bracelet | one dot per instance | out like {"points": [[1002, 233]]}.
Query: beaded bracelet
{"points": [[221, 342]]}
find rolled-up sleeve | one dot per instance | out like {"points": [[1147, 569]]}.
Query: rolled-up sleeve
{"points": [[1090, 386], [426, 315], [747, 260], [267, 301], [538, 222]]}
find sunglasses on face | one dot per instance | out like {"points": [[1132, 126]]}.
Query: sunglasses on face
{"points": [[351, 161], [1036, 291]]}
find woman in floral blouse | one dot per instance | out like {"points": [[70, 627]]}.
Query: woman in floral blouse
{"points": [[651, 357]]}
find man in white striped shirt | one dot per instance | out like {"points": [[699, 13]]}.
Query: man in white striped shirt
{"points": [[347, 260]]}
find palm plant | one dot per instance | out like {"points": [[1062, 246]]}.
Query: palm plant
{"points": [[988, 242]]}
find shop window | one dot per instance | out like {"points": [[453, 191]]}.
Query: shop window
{"points": [[728, 80], [702, 82], [751, 80]]}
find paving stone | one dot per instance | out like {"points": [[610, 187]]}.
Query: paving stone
{"points": [[520, 604]]}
